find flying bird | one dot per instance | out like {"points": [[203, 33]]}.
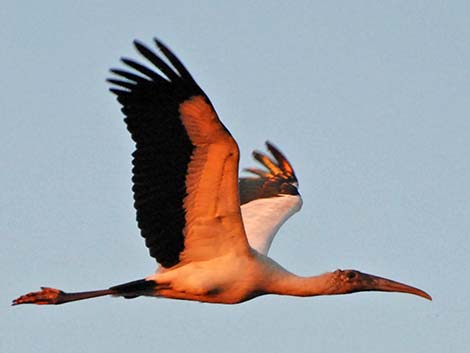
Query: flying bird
{"points": [[209, 230]]}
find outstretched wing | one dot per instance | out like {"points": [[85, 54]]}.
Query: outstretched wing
{"points": [[185, 174], [268, 200]]}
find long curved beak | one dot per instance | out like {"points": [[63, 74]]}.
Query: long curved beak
{"points": [[375, 283]]}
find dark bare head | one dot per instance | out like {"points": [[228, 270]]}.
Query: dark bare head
{"points": [[350, 281]]}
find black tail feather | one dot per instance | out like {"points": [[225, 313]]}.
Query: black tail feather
{"points": [[134, 289]]}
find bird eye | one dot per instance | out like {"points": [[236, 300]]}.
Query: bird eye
{"points": [[351, 274]]}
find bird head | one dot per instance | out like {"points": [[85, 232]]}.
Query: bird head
{"points": [[350, 281]]}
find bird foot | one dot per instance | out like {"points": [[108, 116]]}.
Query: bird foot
{"points": [[45, 296]]}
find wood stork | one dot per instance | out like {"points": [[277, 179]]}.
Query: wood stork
{"points": [[209, 231]]}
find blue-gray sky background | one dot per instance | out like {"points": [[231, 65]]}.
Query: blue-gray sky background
{"points": [[370, 102]]}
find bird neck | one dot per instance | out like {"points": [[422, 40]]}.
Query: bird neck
{"points": [[290, 284]]}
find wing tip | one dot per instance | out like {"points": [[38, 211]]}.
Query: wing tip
{"points": [[159, 43], [278, 167]]}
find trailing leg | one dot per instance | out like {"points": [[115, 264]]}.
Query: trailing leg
{"points": [[53, 296]]}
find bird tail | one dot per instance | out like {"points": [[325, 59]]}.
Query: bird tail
{"points": [[134, 289]]}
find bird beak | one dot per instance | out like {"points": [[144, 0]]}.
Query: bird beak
{"points": [[375, 283]]}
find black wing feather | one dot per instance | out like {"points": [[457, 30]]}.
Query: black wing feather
{"points": [[270, 182], [163, 149]]}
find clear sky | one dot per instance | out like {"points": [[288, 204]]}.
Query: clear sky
{"points": [[370, 102]]}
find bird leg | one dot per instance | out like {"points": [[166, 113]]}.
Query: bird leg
{"points": [[48, 296], [55, 296]]}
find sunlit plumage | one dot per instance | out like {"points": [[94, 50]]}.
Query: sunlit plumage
{"points": [[209, 230]]}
